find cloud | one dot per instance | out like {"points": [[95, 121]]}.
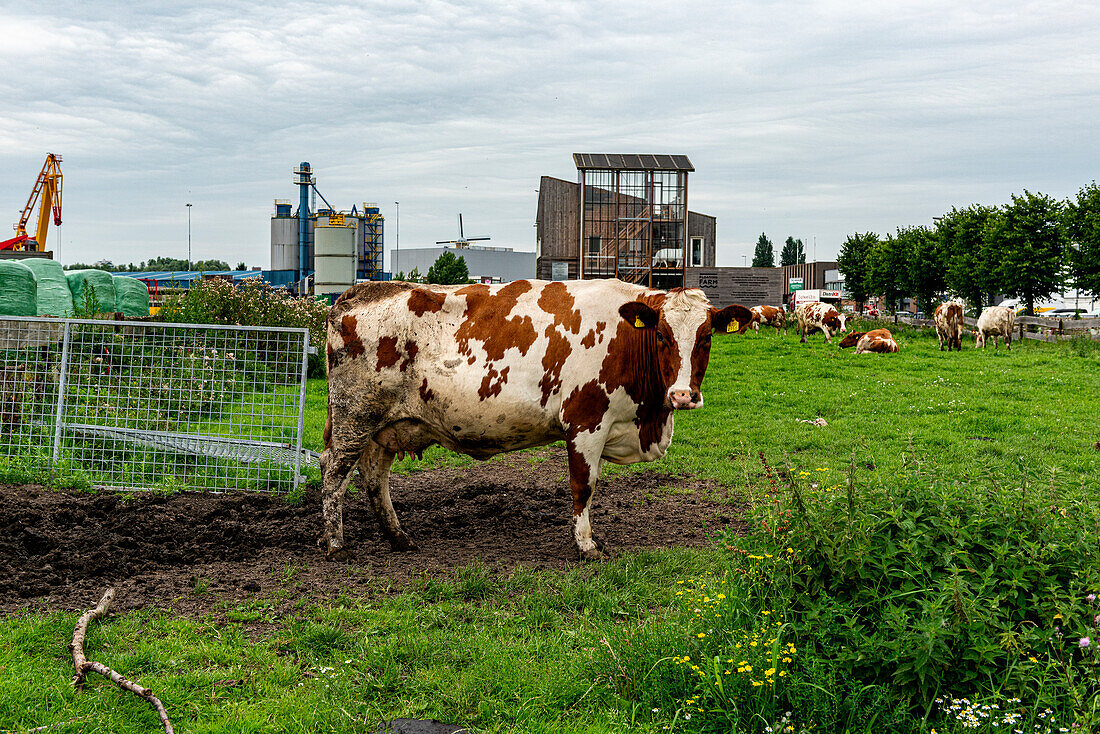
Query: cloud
{"points": [[801, 118]]}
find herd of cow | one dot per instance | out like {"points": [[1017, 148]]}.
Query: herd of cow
{"points": [[485, 369]]}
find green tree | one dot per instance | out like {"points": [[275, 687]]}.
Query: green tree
{"points": [[968, 265], [1029, 244], [924, 260], [888, 266], [448, 269], [1083, 226], [852, 261], [412, 277], [793, 252], [764, 257]]}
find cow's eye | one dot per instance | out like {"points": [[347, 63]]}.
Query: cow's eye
{"points": [[660, 337]]}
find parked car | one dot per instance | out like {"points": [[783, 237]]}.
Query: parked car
{"points": [[1062, 313]]}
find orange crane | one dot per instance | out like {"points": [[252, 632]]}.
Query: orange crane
{"points": [[48, 189]]}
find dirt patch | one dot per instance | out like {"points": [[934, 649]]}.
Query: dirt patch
{"points": [[194, 552]]}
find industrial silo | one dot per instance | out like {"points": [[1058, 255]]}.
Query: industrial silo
{"points": [[284, 238], [334, 256]]}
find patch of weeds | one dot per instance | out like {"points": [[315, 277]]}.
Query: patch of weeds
{"points": [[256, 610], [290, 572], [473, 581], [436, 590], [320, 640], [199, 585]]}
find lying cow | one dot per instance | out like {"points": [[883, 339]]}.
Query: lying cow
{"points": [[484, 369], [995, 321], [878, 340], [817, 315], [949, 324], [769, 316]]}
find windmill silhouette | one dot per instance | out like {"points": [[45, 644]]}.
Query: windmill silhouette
{"points": [[463, 241]]}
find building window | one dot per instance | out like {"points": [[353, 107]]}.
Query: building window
{"points": [[696, 251], [593, 245]]}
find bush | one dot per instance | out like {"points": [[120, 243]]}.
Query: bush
{"points": [[253, 303], [932, 587]]}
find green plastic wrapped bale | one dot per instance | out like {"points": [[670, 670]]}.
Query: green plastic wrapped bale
{"points": [[54, 297], [131, 297], [18, 289], [102, 282]]}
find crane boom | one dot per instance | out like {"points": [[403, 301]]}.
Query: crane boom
{"points": [[46, 193]]}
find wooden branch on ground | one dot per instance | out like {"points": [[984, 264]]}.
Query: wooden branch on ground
{"points": [[84, 666]]}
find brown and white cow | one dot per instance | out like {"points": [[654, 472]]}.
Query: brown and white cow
{"points": [[949, 324], [817, 315], [769, 316], [879, 341], [995, 321], [484, 369]]}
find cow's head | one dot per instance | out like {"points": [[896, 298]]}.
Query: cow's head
{"points": [[681, 327], [834, 320]]}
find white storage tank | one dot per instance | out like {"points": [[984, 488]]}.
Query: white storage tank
{"points": [[334, 257], [284, 243]]}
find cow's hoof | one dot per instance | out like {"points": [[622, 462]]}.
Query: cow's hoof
{"points": [[400, 541], [344, 553], [592, 554]]}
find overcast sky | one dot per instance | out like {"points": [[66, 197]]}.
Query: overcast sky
{"points": [[812, 119]]}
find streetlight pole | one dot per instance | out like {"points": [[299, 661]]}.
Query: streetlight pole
{"points": [[397, 249], [189, 236]]}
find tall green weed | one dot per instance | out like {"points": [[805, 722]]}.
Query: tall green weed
{"points": [[933, 587]]}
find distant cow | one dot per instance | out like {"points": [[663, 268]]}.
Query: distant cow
{"points": [[995, 321], [817, 315], [769, 316], [484, 369], [878, 340], [949, 324]]}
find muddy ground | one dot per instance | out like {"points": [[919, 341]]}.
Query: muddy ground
{"points": [[59, 550]]}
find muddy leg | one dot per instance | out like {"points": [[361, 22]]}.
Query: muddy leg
{"points": [[374, 480], [584, 472], [336, 472]]}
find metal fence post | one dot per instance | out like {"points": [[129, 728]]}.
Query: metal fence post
{"points": [[301, 410], [59, 415]]}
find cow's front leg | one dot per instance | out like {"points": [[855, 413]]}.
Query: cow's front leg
{"points": [[584, 471], [336, 472], [374, 481]]}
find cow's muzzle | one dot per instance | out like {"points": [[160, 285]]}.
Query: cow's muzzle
{"points": [[685, 399]]}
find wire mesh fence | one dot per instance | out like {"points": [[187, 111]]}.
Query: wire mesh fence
{"points": [[140, 405]]}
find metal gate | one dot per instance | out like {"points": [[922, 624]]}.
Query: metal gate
{"points": [[140, 405]]}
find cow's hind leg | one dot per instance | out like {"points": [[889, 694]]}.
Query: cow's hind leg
{"points": [[336, 472], [374, 481], [584, 471]]}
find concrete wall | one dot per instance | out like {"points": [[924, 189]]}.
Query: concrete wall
{"points": [[747, 286], [503, 264]]}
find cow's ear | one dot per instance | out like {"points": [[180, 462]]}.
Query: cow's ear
{"points": [[638, 315], [733, 319]]}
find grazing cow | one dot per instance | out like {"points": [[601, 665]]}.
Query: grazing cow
{"points": [[817, 315], [995, 321], [949, 324], [484, 369], [769, 316]]}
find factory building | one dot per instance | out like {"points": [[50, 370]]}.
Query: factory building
{"points": [[337, 247], [485, 264], [628, 215]]}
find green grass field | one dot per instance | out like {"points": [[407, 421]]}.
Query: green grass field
{"points": [[936, 540]]}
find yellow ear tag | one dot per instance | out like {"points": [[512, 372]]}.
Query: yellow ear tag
{"points": [[638, 323], [732, 326]]}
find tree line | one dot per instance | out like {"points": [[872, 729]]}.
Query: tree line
{"points": [[1030, 249], [157, 264], [764, 257]]}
